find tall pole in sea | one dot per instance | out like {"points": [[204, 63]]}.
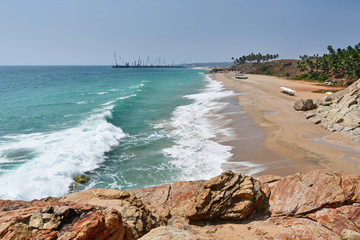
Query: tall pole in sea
{"points": [[116, 64]]}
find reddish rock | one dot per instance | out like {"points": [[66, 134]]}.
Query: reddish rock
{"points": [[229, 196], [269, 179], [303, 193], [337, 219], [51, 219], [351, 186], [183, 197], [134, 212], [157, 199], [278, 228], [316, 205], [268, 182], [164, 233]]}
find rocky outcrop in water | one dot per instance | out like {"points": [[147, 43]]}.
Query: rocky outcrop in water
{"points": [[316, 205]]}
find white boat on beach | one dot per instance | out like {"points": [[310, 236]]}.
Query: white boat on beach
{"points": [[287, 91]]}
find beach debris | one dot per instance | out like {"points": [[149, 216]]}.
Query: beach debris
{"points": [[81, 178], [287, 91]]}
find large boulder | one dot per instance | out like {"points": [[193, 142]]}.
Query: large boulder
{"points": [[299, 105], [309, 104], [229, 196], [304, 105], [139, 218]]}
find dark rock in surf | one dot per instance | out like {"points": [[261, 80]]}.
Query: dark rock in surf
{"points": [[81, 178]]}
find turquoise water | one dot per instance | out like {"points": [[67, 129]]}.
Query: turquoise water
{"points": [[124, 128]]}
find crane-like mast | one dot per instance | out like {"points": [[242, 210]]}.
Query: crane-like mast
{"points": [[116, 64]]}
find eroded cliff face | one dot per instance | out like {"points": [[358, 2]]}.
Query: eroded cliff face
{"points": [[316, 205]]}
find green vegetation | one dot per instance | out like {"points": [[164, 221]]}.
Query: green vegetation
{"points": [[318, 76], [342, 63], [254, 58], [268, 72], [264, 68], [287, 74]]}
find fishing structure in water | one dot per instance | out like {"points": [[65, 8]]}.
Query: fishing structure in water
{"points": [[158, 63]]}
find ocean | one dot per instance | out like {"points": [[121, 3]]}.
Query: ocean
{"points": [[123, 128]]}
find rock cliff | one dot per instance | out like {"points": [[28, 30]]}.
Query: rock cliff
{"points": [[316, 205], [337, 112]]}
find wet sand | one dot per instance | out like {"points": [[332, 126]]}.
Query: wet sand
{"points": [[273, 138]]}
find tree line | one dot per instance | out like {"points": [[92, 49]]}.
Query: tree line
{"points": [[254, 58], [341, 63]]}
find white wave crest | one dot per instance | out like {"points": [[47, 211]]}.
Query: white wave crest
{"points": [[57, 158], [195, 128], [137, 86], [81, 102], [121, 98]]}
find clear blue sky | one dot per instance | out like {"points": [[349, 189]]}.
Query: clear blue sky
{"points": [[83, 32]]}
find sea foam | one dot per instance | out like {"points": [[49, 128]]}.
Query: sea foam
{"points": [[195, 129], [54, 159]]}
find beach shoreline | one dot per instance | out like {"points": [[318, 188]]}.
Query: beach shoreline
{"points": [[287, 143]]}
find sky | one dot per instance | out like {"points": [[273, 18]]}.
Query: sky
{"points": [[88, 32]]}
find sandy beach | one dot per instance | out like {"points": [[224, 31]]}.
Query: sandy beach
{"points": [[274, 138]]}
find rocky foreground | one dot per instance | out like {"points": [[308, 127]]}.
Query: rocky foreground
{"points": [[316, 205]]}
